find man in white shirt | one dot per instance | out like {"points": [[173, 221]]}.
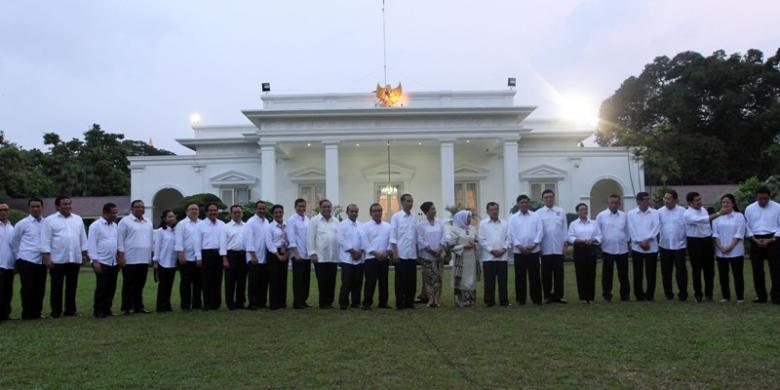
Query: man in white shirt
{"points": [[350, 259], [672, 246], [102, 250], [323, 247], [211, 270], [701, 251], [7, 260], [403, 239], [525, 231], [135, 241], [254, 243], [554, 246], [643, 224], [615, 238], [276, 243], [494, 244], [376, 246], [763, 230], [64, 243], [297, 231], [188, 250], [234, 259], [31, 268]]}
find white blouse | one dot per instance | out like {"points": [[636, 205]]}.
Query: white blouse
{"points": [[164, 241], [588, 230], [725, 229], [430, 236]]}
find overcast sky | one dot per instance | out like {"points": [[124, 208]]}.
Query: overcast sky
{"points": [[142, 67]]}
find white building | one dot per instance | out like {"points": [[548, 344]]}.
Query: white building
{"points": [[453, 148]]}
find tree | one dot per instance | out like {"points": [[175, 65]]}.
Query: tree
{"points": [[21, 174], [699, 120]]}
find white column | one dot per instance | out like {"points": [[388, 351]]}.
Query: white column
{"points": [[332, 172], [511, 180], [447, 175], [268, 162]]}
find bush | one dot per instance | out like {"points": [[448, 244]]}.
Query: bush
{"points": [[16, 215], [746, 193]]}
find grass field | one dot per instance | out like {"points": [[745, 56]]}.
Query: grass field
{"points": [[624, 344]]}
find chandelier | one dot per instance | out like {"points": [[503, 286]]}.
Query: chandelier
{"points": [[389, 189]]}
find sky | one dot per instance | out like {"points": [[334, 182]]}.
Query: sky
{"points": [[143, 67]]}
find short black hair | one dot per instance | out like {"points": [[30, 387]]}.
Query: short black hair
{"points": [[350, 205], [642, 195], [190, 204], [691, 196], [548, 191], [577, 207], [404, 196], [673, 193], [374, 205], [132, 204], [763, 190], [35, 199], [108, 206], [276, 207], [521, 197], [259, 202], [491, 204], [164, 225], [209, 204], [323, 201], [615, 196], [236, 206], [299, 201], [59, 199]]}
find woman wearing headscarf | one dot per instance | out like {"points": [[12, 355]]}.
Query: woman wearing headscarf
{"points": [[465, 267], [431, 242]]}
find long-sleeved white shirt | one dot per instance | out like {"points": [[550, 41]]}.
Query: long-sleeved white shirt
{"points": [[297, 234], [349, 238], [376, 238], [403, 234], [210, 234], [697, 223], [102, 242], [525, 229], [275, 237], [64, 238], [614, 232], [726, 228], [254, 238], [555, 231], [588, 230], [27, 239], [492, 235], [430, 236], [164, 242], [644, 226], [763, 220], [135, 238], [673, 228], [232, 237], [188, 239], [322, 239], [7, 252]]}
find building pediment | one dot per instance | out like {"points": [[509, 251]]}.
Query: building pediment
{"points": [[470, 172], [542, 172], [307, 175], [232, 178], [379, 173]]}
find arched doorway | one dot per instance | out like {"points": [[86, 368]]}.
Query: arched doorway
{"points": [[600, 193], [165, 199]]}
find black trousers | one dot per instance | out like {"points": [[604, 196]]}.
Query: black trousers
{"points": [[405, 283], [235, 280], [375, 271], [301, 270], [495, 270], [585, 258], [33, 279], [165, 278], [702, 254], [527, 270], [552, 277], [674, 261], [621, 261], [105, 288], [258, 285], [645, 265], [190, 286], [277, 282], [211, 273], [326, 282], [6, 292], [133, 282], [737, 265], [758, 256], [67, 276], [351, 285]]}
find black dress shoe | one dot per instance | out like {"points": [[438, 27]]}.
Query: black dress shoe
{"points": [[143, 311], [385, 307], [126, 312], [100, 315], [759, 300], [343, 307], [364, 307], [563, 300], [73, 314]]}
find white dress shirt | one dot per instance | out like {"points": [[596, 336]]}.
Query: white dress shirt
{"points": [[254, 238], [27, 239], [763, 220], [322, 239], [297, 234], [614, 232], [673, 228], [7, 252], [644, 226], [233, 237], [726, 228], [376, 238], [525, 229], [555, 232], [64, 238], [349, 239], [164, 243], [430, 236], [588, 230], [102, 242], [210, 234], [275, 237], [188, 239], [492, 235], [403, 234], [697, 223], [135, 236]]}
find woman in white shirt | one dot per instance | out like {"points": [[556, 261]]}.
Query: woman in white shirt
{"points": [[431, 243], [585, 235], [729, 232], [164, 259], [465, 267]]}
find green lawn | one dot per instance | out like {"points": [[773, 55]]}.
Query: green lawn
{"points": [[624, 344]]}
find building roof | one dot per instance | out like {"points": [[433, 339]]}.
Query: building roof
{"points": [[86, 206]]}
